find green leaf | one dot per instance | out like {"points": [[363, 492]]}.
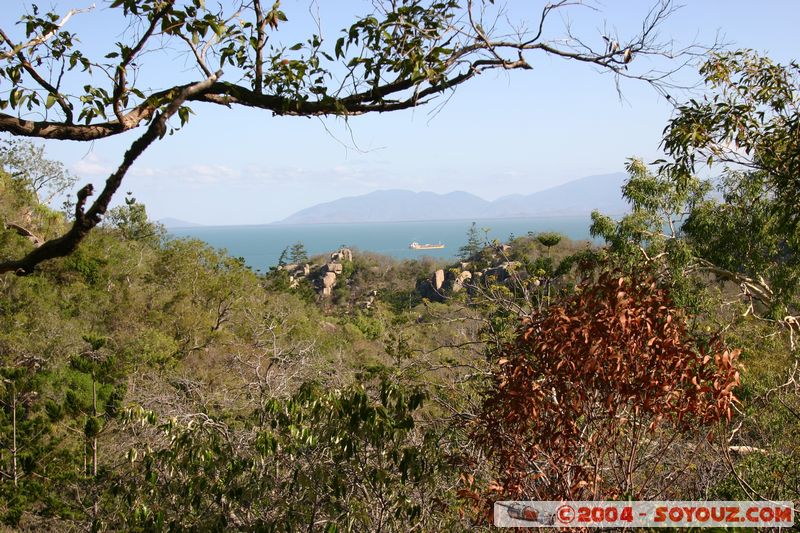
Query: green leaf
{"points": [[339, 47]]}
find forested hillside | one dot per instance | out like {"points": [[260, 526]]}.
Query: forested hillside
{"points": [[147, 379], [153, 382], [157, 384]]}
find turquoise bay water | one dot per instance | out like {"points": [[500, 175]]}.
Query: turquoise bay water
{"points": [[261, 246]]}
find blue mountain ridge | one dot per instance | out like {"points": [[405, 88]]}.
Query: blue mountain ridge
{"points": [[577, 197]]}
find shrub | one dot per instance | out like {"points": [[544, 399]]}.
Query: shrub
{"points": [[594, 384]]}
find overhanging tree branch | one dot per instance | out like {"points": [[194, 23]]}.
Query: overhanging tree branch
{"points": [[120, 75], [751, 290], [472, 51], [395, 58], [86, 220]]}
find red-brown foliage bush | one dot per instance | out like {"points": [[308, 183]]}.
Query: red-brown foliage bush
{"points": [[594, 391]]}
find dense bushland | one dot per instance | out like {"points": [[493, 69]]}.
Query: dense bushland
{"points": [[151, 383]]}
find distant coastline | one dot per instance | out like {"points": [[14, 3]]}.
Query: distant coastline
{"points": [[261, 244]]}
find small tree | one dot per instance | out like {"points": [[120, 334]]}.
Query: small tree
{"points": [[474, 244], [585, 404], [283, 256], [94, 406], [32, 457], [548, 240], [131, 219], [26, 162], [297, 253]]}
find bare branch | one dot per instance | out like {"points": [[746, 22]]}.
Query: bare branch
{"points": [[36, 41], [120, 81], [261, 41], [25, 232]]}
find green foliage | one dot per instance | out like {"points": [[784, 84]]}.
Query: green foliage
{"points": [[474, 244], [297, 253], [654, 231], [26, 163], [658, 207], [401, 300], [369, 325], [284, 255], [750, 120], [335, 459], [44, 464], [742, 232], [549, 240], [87, 265], [131, 220], [151, 347]]}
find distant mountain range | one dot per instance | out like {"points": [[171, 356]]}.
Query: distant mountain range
{"points": [[578, 197], [173, 223]]}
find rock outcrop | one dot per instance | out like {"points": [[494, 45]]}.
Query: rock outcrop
{"points": [[463, 276], [336, 268], [443, 282], [326, 275], [344, 254], [438, 280], [322, 276], [503, 271], [370, 301], [461, 280], [328, 281], [296, 273]]}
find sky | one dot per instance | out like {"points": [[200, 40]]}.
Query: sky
{"points": [[499, 134]]}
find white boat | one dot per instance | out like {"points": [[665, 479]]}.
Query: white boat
{"points": [[417, 246]]}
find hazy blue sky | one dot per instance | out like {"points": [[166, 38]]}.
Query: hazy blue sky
{"points": [[499, 134]]}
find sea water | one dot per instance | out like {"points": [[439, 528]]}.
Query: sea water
{"points": [[261, 246]]}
